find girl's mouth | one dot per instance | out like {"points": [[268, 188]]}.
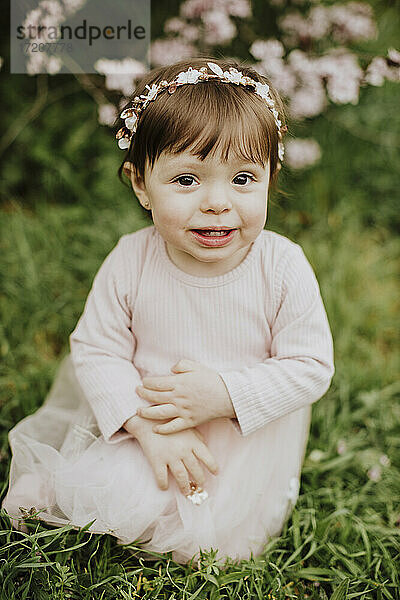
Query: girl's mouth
{"points": [[216, 237]]}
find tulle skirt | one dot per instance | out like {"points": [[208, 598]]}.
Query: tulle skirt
{"points": [[63, 467]]}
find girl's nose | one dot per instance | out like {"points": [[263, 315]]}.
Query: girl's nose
{"points": [[216, 201]]}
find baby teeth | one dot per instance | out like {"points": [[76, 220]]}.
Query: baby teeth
{"points": [[214, 233]]}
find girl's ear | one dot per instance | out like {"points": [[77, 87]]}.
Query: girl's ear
{"points": [[138, 184]]}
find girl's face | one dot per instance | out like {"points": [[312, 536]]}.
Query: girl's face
{"points": [[189, 198]]}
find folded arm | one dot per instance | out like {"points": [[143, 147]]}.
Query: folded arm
{"points": [[300, 367], [103, 345]]}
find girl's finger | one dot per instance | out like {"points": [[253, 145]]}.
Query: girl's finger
{"points": [[181, 475], [203, 453], [159, 383], [154, 396], [192, 464], [173, 426], [162, 477], [166, 411]]}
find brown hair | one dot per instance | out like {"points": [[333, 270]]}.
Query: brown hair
{"points": [[206, 117]]}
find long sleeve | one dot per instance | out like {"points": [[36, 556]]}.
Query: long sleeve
{"points": [[300, 367], [103, 345]]}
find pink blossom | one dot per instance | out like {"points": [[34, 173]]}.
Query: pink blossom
{"points": [[195, 8], [347, 22], [376, 71], [126, 66], [72, 6], [381, 69], [39, 62], [305, 66], [33, 18], [165, 52], [54, 65], [107, 113], [281, 75], [394, 56], [53, 8], [219, 29], [239, 8], [189, 33], [302, 153], [294, 27], [375, 473], [192, 9], [352, 21], [119, 81], [308, 101], [174, 25], [266, 49], [297, 27], [343, 75], [309, 97], [35, 63], [49, 14], [120, 74], [318, 22], [341, 447], [342, 90], [273, 66]]}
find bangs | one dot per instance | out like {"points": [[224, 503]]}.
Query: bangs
{"points": [[222, 124], [208, 118]]}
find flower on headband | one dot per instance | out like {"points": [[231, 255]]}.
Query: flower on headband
{"points": [[276, 115], [152, 91], [130, 122], [234, 76], [189, 76], [216, 69], [262, 89], [124, 143], [128, 112], [151, 95]]}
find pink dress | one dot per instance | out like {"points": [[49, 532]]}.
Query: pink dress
{"points": [[73, 462]]}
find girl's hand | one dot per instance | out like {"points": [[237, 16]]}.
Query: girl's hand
{"points": [[195, 395], [181, 452]]}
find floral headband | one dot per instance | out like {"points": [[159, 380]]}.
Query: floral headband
{"points": [[131, 114]]}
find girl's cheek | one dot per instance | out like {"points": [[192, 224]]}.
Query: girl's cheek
{"points": [[253, 212], [168, 217]]}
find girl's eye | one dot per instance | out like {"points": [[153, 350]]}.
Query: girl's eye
{"points": [[187, 180], [184, 180], [243, 176]]}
